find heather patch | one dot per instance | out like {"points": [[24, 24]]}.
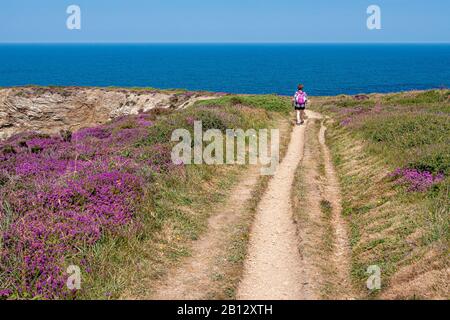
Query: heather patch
{"points": [[57, 223], [415, 180], [60, 195], [56, 204], [62, 198], [98, 132]]}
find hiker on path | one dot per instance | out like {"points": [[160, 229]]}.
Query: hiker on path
{"points": [[299, 101]]}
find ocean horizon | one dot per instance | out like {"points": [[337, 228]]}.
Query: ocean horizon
{"points": [[253, 68]]}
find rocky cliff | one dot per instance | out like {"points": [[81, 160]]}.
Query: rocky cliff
{"points": [[50, 109]]}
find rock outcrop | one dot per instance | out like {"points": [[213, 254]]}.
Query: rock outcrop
{"points": [[52, 109]]}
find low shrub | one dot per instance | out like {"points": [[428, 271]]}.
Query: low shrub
{"points": [[416, 180], [60, 197]]}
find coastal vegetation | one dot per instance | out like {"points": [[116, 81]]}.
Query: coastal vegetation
{"points": [[109, 200], [107, 197], [392, 153]]}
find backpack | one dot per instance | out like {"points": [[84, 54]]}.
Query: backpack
{"points": [[300, 97]]}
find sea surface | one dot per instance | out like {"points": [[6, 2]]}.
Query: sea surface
{"points": [[325, 69]]}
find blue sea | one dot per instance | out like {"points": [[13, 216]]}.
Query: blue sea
{"points": [[325, 69]]}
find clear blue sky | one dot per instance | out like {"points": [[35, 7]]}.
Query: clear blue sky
{"points": [[225, 21]]}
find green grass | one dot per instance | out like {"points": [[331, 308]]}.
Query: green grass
{"points": [[326, 208], [421, 141], [418, 98], [389, 226], [268, 102], [316, 229]]}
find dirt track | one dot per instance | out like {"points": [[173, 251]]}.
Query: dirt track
{"points": [[278, 265], [274, 268], [193, 280]]}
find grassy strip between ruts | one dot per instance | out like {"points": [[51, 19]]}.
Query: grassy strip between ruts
{"points": [[312, 212], [392, 154], [232, 269]]}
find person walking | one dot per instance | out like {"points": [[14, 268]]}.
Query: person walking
{"points": [[300, 101]]}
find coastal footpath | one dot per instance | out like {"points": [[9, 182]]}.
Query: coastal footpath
{"points": [[358, 207]]}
